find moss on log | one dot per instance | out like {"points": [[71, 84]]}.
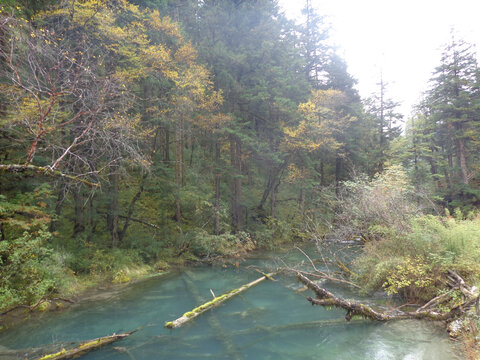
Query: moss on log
{"points": [[189, 315], [84, 347], [355, 308]]}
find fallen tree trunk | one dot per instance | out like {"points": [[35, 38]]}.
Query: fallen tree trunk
{"points": [[355, 308], [85, 347], [34, 306], [220, 333], [213, 303]]}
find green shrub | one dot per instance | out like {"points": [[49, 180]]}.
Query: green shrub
{"points": [[206, 245], [414, 262], [28, 269], [111, 261]]}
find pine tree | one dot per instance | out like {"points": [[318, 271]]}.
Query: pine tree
{"points": [[453, 103]]}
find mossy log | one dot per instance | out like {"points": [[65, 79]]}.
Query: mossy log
{"points": [[85, 347], [220, 334], [355, 308], [190, 315]]}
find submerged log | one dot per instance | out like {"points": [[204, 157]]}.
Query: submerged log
{"points": [[219, 333], [355, 308], [190, 315], [85, 347]]}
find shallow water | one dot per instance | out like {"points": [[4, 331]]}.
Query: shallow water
{"points": [[269, 321]]}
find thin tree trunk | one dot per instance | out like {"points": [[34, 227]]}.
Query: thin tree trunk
{"points": [[166, 148], [338, 173], [382, 124], [192, 149], [236, 164], [322, 173], [131, 207], [113, 211], [79, 220], [462, 160], [91, 223], [273, 199], [302, 201], [273, 181], [216, 225], [179, 167], [58, 206]]}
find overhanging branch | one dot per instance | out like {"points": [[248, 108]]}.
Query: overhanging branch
{"points": [[44, 170], [355, 308]]}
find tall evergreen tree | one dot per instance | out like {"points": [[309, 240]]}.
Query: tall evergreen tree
{"points": [[382, 112], [454, 105]]}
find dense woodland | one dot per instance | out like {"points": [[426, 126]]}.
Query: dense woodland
{"points": [[134, 134]]}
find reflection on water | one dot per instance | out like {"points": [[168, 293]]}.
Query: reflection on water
{"points": [[269, 321]]}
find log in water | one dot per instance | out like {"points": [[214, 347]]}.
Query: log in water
{"points": [[268, 321]]}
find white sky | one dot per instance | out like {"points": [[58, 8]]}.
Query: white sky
{"points": [[400, 38]]}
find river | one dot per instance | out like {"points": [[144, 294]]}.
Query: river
{"points": [[269, 321]]}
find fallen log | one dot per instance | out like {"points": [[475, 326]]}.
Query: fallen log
{"points": [[220, 333], [355, 308], [85, 347], [22, 354], [190, 315]]}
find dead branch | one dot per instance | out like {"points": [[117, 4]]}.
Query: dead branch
{"points": [[320, 275], [34, 306], [44, 170], [355, 308]]}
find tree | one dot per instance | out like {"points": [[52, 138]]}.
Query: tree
{"points": [[453, 103], [313, 34], [381, 111], [55, 94], [443, 132]]}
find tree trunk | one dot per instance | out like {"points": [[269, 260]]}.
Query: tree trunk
{"points": [[338, 173], [216, 225], [190, 315], [85, 347], [381, 126], [166, 145], [58, 205], [266, 192], [131, 207], [236, 164], [91, 224], [79, 220], [462, 160], [179, 167], [302, 201], [273, 199], [354, 308], [322, 173], [272, 183], [113, 211]]}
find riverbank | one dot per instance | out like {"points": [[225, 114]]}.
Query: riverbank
{"points": [[86, 289], [111, 282], [269, 320], [108, 287]]}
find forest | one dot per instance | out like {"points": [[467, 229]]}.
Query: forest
{"points": [[138, 135]]}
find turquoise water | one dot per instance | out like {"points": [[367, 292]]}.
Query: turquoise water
{"points": [[269, 321]]}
